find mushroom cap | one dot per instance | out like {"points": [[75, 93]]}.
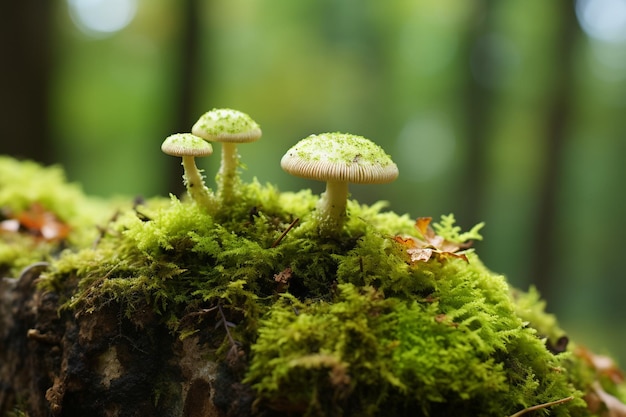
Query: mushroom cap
{"points": [[340, 157], [186, 144], [226, 125]]}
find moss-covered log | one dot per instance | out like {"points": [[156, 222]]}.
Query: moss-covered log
{"points": [[163, 308]]}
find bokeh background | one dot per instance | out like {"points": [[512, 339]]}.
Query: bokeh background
{"points": [[508, 112]]}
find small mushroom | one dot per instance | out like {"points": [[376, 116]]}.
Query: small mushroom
{"points": [[338, 159], [188, 147], [229, 127]]}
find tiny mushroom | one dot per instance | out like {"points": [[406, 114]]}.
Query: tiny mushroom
{"points": [[338, 159], [188, 147], [229, 127]]}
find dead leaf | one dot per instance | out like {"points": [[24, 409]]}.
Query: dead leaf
{"points": [[282, 278], [598, 400], [603, 365], [443, 318], [422, 224], [11, 225], [420, 254], [422, 248], [39, 222], [604, 404]]}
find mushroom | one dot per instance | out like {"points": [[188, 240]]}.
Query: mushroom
{"points": [[229, 127], [188, 147], [338, 159]]}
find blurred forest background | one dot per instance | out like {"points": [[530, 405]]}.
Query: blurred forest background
{"points": [[508, 112]]}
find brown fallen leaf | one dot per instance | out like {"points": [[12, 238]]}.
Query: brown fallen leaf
{"points": [[39, 222], [442, 318], [282, 279], [604, 404], [422, 248], [603, 365]]}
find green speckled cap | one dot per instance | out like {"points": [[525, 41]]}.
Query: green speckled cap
{"points": [[186, 144], [226, 125], [340, 157]]}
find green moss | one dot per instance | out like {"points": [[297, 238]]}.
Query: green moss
{"points": [[531, 308], [26, 186], [330, 326], [448, 229], [461, 347]]}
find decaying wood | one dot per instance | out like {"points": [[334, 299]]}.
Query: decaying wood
{"points": [[57, 363]]}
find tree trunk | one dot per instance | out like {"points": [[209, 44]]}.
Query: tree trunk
{"points": [[560, 108], [24, 77]]}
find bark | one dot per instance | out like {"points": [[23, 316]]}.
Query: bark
{"points": [[104, 363]]}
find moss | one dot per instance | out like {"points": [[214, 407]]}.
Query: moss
{"points": [[27, 188], [531, 308], [328, 326], [459, 348]]}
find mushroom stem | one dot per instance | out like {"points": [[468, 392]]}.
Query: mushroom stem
{"points": [[332, 206], [195, 184], [227, 175]]}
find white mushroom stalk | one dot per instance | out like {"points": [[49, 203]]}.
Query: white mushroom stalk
{"points": [[230, 127], [332, 204], [189, 147], [338, 159]]}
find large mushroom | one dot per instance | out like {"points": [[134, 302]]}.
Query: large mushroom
{"points": [[230, 127], [338, 159], [188, 147]]}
